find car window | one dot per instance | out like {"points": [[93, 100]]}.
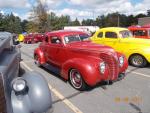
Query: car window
{"points": [[84, 36], [140, 33], [125, 34], [100, 35], [110, 35], [72, 38], [55, 40]]}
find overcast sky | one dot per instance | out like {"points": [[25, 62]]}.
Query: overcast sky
{"points": [[77, 8]]}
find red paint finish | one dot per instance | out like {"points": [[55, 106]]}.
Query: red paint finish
{"points": [[140, 32], [34, 38], [65, 50]]}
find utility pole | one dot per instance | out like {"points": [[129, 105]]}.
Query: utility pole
{"points": [[118, 20]]}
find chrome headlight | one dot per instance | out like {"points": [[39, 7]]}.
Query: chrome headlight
{"points": [[121, 61], [102, 67], [19, 85]]}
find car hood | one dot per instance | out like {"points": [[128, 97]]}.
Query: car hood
{"points": [[136, 41], [89, 47]]}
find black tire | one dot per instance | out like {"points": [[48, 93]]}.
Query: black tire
{"points": [[137, 60], [36, 60], [81, 86]]}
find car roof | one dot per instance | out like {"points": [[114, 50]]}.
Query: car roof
{"points": [[138, 28], [64, 32], [113, 29]]}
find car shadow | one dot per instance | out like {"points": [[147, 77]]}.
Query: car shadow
{"points": [[56, 73], [53, 72], [21, 71], [148, 66]]}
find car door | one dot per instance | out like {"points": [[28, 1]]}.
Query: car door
{"points": [[56, 51], [111, 39]]}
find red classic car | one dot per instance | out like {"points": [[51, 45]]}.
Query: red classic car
{"points": [[34, 38], [140, 32], [83, 63]]}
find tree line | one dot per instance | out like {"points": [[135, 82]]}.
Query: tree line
{"points": [[41, 21]]}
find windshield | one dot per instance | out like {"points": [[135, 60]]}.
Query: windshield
{"points": [[125, 34], [84, 37], [72, 38]]}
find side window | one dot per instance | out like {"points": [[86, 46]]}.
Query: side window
{"points": [[55, 40], [100, 35], [140, 33], [110, 35]]}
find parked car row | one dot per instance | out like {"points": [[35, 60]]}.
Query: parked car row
{"points": [[82, 60], [34, 38], [31, 38]]}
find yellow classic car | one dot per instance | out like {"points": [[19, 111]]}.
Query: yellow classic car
{"points": [[20, 37], [136, 50]]}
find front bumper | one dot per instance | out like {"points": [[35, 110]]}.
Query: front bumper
{"points": [[120, 77]]}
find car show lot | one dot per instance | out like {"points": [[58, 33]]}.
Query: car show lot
{"points": [[130, 95]]}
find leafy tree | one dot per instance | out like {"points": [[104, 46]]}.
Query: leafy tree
{"points": [[76, 22], [148, 12], [24, 24], [11, 23], [40, 17], [88, 22]]}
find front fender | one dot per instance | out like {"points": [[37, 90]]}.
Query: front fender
{"points": [[37, 99], [40, 53], [89, 69]]}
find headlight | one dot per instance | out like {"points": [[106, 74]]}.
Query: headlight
{"points": [[102, 67], [121, 61], [19, 85]]}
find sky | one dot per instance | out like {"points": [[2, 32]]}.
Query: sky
{"points": [[81, 9]]}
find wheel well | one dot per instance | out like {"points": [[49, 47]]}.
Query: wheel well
{"points": [[35, 55], [136, 54], [69, 72]]}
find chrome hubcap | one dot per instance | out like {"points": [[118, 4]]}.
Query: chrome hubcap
{"points": [[75, 78], [137, 60]]}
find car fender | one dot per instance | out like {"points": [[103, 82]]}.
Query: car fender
{"points": [[37, 99], [88, 70], [140, 51], [40, 53]]}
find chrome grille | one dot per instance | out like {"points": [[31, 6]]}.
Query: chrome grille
{"points": [[2, 97], [112, 61]]}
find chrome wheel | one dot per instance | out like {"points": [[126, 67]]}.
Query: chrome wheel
{"points": [[75, 79], [138, 61]]}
